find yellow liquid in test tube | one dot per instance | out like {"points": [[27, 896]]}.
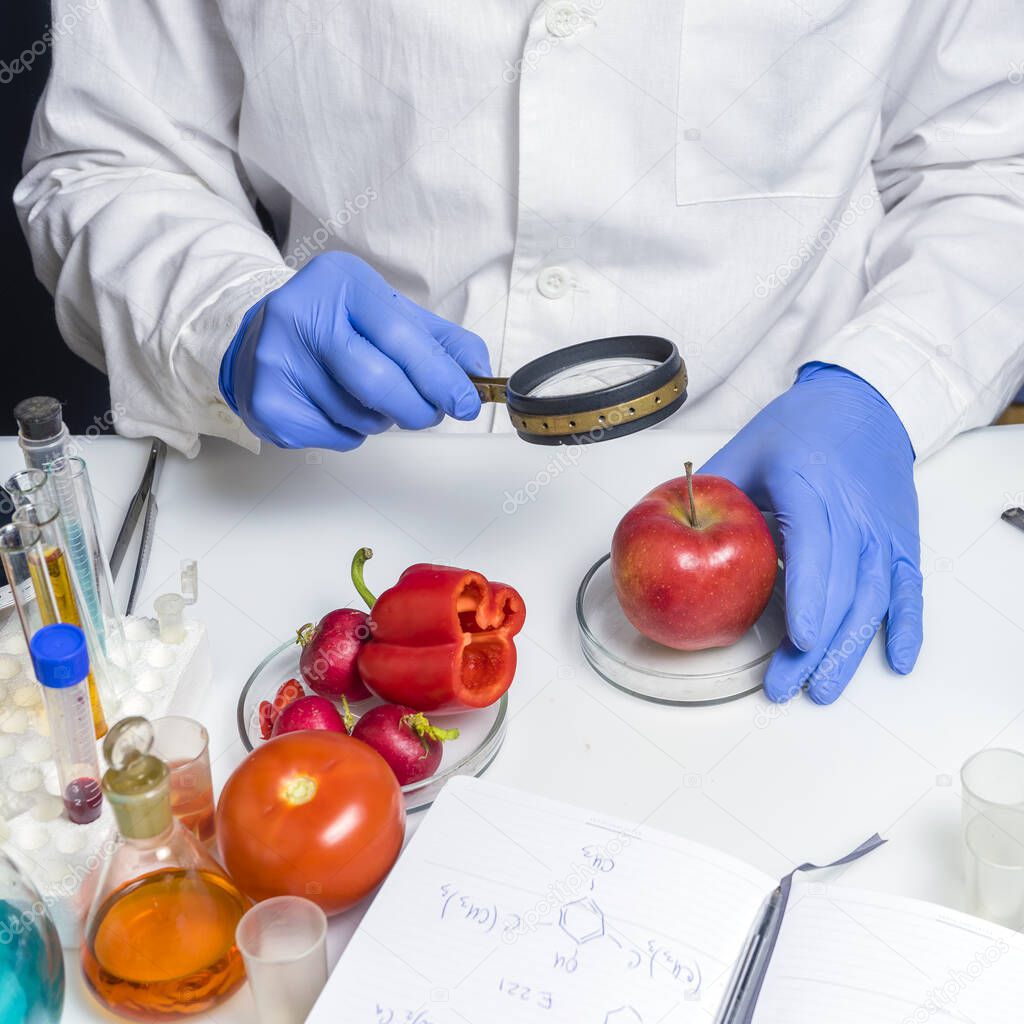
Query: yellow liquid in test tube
{"points": [[67, 611]]}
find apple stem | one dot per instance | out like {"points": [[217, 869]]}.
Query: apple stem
{"points": [[694, 521]]}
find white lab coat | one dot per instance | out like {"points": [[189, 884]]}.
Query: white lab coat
{"points": [[765, 182]]}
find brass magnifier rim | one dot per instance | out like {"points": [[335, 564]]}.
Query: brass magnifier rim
{"points": [[593, 415]]}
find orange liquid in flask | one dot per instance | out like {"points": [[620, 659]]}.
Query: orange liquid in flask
{"points": [[163, 946]]}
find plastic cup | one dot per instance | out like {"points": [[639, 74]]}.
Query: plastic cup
{"points": [[995, 866], [283, 942], [992, 821], [184, 745]]}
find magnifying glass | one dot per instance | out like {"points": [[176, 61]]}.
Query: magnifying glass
{"points": [[592, 391]]}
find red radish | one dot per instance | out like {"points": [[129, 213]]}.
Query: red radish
{"points": [[329, 650], [309, 713], [269, 711], [405, 739]]}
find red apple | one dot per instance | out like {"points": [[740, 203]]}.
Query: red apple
{"points": [[694, 563]]}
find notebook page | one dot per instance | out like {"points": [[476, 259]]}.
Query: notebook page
{"points": [[506, 907], [848, 957]]}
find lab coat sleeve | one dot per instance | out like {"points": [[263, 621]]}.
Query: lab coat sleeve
{"points": [[941, 331], [137, 211]]}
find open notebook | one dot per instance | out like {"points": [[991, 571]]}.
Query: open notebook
{"points": [[507, 907]]}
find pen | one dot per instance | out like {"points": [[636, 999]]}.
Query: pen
{"points": [[741, 997]]}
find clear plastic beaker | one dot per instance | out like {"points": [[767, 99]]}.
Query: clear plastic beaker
{"points": [[184, 745], [283, 942], [992, 823], [995, 866]]}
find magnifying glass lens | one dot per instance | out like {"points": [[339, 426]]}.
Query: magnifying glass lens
{"points": [[595, 375], [591, 391]]}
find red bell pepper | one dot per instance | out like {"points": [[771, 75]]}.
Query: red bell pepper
{"points": [[440, 638]]}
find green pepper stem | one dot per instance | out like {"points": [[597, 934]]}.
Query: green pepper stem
{"points": [[359, 559]]}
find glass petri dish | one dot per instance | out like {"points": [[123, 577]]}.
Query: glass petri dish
{"points": [[624, 657], [481, 733]]}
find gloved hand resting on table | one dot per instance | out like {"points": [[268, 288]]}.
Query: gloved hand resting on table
{"points": [[834, 463], [336, 353]]}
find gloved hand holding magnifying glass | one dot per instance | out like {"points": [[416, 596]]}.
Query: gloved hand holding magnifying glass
{"points": [[834, 463], [336, 354]]}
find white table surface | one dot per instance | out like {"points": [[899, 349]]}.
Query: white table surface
{"points": [[774, 785]]}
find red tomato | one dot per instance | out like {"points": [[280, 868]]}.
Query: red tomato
{"points": [[314, 814]]}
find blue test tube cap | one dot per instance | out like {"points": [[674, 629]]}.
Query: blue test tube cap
{"points": [[59, 655]]}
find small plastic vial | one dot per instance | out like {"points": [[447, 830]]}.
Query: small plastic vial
{"points": [[61, 664], [170, 610], [190, 580]]}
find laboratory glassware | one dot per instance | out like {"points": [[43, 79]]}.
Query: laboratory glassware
{"points": [[481, 731], [170, 615], [160, 936], [991, 780], [31, 960], [184, 745], [284, 944], [994, 866], [80, 529], [26, 485], [61, 663], [44, 514], [992, 833], [621, 655], [23, 556], [42, 435]]}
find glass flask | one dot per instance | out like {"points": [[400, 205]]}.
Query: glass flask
{"points": [[160, 936], [31, 962]]}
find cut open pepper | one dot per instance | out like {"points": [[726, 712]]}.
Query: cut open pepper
{"points": [[441, 639]]}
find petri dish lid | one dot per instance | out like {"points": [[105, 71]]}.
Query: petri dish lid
{"points": [[627, 659]]}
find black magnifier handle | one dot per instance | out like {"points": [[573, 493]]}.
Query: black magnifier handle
{"points": [[491, 389]]}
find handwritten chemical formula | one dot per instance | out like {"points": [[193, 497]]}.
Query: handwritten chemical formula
{"points": [[569, 942]]}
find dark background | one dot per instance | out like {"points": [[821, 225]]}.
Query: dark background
{"points": [[36, 361]]}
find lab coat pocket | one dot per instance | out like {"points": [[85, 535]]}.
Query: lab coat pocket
{"points": [[770, 101]]}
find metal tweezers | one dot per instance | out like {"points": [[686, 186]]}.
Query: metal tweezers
{"points": [[143, 499]]}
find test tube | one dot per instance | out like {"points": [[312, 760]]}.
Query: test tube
{"points": [[61, 663], [26, 485], [42, 434], [45, 515], [84, 549], [21, 549]]}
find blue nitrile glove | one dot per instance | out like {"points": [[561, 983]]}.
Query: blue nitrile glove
{"points": [[834, 463], [336, 353]]}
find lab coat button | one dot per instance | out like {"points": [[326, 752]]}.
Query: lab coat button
{"points": [[553, 282], [562, 19]]}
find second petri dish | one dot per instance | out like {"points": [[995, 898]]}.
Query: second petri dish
{"points": [[624, 657], [481, 732]]}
